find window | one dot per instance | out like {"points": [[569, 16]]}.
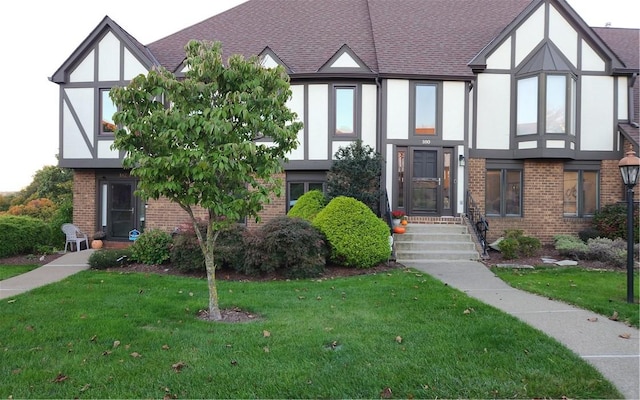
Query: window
{"points": [[345, 110], [300, 182], [425, 110], [581, 192], [503, 192], [107, 109], [553, 103]]}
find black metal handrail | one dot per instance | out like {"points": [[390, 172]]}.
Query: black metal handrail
{"points": [[478, 222], [385, 209]]}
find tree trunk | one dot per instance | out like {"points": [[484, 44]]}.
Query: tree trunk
{"points": [[214, 308]]}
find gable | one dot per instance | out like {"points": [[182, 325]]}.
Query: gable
{"points": [[344, 60], [554, 26], [101, 55]]}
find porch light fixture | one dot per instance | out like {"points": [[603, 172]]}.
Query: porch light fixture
{"points": [[629, 167], [461, 161]]}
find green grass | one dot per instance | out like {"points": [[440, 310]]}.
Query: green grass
{"points": [[8, 271], [601, 291], [336, 338]]}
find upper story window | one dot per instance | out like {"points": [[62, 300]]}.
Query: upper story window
{"points": [[425, 109], [107, 109], [546, 104], [344, 110]]}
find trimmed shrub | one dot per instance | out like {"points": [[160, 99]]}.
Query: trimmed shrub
{"points": [[308, 205], [509, 248], [356, 236], [603, 249], [187, 256], [589, 233], [516, 244], [611, 222], [570, 246], [152, 247], [291, 245], [355, 172], [110, 258], [22, 235]]}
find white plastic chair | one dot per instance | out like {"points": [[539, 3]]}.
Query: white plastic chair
{"points": [[74, 235]]}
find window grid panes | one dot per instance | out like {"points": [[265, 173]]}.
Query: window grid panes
{"points": [[581, 193], [345, 110], [425, 110], [503, 192], [107, 109]]}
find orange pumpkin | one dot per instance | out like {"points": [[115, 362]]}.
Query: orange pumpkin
{"points": [[404, 222], [399, 229]]}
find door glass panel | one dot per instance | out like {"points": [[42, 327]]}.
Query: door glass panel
{"points": [[446, 184], [122, 201], [425, 181]]}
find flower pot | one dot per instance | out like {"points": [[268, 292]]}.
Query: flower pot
{"points": [[96, 244], [396, 222]]}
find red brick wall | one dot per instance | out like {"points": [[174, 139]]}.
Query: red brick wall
{"points": [[84, 201], [543, 199]]}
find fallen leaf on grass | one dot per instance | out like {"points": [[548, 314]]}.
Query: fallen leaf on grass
{"points": [[85, 388], [165, 347], [266, 349], [625, 335], [60, 378], [178, 366], [614, 317], [135, 354], [116, 343], [468, 310], [386, 393], [399, 339], [266, 333], [11, 301]]}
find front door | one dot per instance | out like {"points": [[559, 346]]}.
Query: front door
{"points": [[429, 186], [120, 211]]}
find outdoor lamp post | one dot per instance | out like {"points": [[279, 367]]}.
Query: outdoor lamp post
{"points": [[629, 167]]}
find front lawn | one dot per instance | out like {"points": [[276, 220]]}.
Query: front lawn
{"points": [[399, 334], [601, 291], [8, 271]]}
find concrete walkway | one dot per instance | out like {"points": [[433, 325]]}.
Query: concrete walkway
{"points": [[58, 269], [599, 343]]}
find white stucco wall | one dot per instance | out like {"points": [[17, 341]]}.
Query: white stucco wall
{"points": [[453, 110], [529, 34], [296, 104], [501, 57], [597, 113], [318, 122], [493, 112], [563, 35], [397, 109]]}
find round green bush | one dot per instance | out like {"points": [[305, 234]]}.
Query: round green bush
{"points": [[356, 236], [308, 205], [152, 247]]}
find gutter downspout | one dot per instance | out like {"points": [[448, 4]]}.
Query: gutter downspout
{"points": [[633, 119]]}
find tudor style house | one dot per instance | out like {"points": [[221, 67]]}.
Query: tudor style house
{"points": [[516, 104]]}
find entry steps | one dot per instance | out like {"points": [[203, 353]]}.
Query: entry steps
{"points": [[434, 242]]}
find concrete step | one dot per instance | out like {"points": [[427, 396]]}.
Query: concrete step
{"points": [[432, 242]]}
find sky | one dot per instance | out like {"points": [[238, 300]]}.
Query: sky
{"points": [[37, 36]]}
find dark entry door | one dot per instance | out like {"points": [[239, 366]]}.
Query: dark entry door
{"points": [[121, 209], [425, 182]]}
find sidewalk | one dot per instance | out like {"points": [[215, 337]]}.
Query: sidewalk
{"points": [[58, 269], [598, 342]]}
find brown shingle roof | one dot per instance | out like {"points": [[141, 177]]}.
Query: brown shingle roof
{"points": [[428, 38]]}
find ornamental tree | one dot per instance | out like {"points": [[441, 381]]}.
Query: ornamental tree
{"points": [[195, 141]]}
